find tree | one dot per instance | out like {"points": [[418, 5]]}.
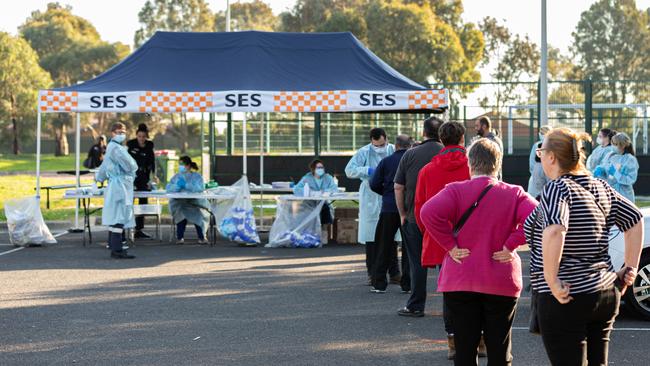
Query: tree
{"points": [[173, 15], [611, 41], [418, 44], [71, 50], [20, 79], [255, 15], [307, 15], [513, 58], [346, 21]]}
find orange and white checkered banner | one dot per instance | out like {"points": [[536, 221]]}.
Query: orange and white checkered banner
{"points": [[242, 101]]}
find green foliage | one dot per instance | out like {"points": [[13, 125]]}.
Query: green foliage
{"points": [[20, 79], [71, 50], [254, 15], [612, 41], [513, 57], [425, 40], [173, 15]]}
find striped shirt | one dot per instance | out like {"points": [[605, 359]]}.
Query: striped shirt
{"points": [[570, 201]]}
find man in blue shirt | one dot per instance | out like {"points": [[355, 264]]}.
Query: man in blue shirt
{"points": [[389, 222]]}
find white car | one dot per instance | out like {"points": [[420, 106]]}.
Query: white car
{"points": [[636, 298]]}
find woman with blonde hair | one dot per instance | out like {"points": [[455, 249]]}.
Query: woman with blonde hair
{"points": [[620, 167], [571, 271]]}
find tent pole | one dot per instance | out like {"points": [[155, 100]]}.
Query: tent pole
{"points": [[244, 141], [262, 150], [354, 131], [38, 154], [77, 154], [300, 133]]}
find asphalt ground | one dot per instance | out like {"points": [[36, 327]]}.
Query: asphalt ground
{"points": [[225, 305]]}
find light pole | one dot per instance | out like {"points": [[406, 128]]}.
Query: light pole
{"points": [[227, 15], [543, 79]]}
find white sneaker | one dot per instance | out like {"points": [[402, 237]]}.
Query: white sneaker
{"points": [[180, 241], [203, 241]]}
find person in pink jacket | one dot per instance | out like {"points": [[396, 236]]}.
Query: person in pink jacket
{"points": [[481, 277]]}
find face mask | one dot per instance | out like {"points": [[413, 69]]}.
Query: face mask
{"points": [[599, 140], [379, 149], [620, 151], [320, 172], [182, 169], [119, 138]]}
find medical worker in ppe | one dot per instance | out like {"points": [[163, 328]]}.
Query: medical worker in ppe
{"points": [[188, 209], [603, 149], [362, 166], [620, 167], [119, 169], [537, 177], [322, 184]]}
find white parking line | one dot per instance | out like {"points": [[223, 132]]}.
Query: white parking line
{"points": [[621, 329], [11, 251]]}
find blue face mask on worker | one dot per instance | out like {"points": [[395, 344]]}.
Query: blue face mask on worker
{"points": [[182, 169], [320, 172], [119, 138]]}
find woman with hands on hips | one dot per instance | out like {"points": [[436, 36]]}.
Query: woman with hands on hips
{"points": [[571, 270], [481, 272]]}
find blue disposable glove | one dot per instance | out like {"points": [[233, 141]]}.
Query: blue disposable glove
{"points": [[611, 170], [599, 172], [371, 171]]}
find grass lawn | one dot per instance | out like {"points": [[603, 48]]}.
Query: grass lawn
{"points": [[27, 163]]}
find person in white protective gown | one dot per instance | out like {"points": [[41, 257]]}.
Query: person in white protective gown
{"points": [[362, 166], [119, 169], [537, 177], [621, 167], [184, 210], [320, 183], [602, 150]]}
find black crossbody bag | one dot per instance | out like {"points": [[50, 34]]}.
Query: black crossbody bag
{"points": [[468, 212]]}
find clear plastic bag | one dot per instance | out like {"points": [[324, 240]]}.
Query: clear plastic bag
{"points": [[234, 217], [25, 222], [297, 224]]}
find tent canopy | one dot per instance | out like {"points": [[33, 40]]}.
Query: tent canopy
{"points": [[247, 71]]}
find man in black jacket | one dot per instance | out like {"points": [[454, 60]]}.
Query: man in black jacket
{"points": [[142, 150], [389, 222]]}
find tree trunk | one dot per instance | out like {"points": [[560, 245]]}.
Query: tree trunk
{"points": [[62, 148], [15, 147], [184, 134]]}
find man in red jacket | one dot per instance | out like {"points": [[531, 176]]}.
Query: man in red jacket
{"points": [[450, 165]]}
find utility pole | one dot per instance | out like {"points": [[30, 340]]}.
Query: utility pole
{"points": [[543, 78]]}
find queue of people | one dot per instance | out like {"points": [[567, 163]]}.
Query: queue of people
{"points": [[456, 214]]}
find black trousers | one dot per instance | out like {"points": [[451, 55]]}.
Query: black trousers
{"points": [[472, 313], [386, 252], [371, 255], [115, 237], [577, 333], [139, 220], [413, 240]]}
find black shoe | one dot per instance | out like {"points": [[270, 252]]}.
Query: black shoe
{"points": [[412, 313], [375, 290], [406, 290], [141, 235], [121, 255]]}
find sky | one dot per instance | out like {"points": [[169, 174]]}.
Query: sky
{"points": [[117, 20]]}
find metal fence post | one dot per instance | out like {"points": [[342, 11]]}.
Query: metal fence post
{"points": [[328, 129], [212, 146], [229, 133], [317, 134], [354, 131], [645, 130], [588, 110], [300, 133], [531, 130], [267, 130], [600, 119]]}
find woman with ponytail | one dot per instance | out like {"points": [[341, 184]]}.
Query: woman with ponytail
{"points": [[571, 271]]}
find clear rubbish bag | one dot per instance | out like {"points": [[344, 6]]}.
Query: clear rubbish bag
{"points": [[234, 217], [297, 224], [25, 222]]}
